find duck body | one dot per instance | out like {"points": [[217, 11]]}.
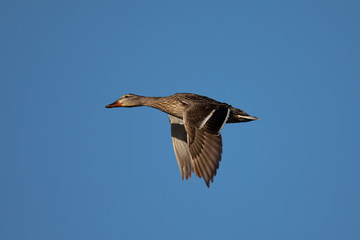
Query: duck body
{"points": [[196, 122]]}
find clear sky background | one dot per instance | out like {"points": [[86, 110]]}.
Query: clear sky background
{"points": [[71, 169]]}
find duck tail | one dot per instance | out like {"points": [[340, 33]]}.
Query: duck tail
{"points": [[238, 115]]}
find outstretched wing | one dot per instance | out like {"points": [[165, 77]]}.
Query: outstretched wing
{"points": [[181, 148], [203, 123]]}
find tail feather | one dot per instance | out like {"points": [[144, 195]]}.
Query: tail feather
{"points": [[238, 115]]}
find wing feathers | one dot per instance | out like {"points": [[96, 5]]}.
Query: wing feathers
{"points": [[181, 148], [200, 151]]}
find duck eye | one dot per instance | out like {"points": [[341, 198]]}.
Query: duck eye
{"points": [[126, 96]]}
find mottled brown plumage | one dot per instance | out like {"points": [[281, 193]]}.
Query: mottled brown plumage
{"points": [[196, 122]]}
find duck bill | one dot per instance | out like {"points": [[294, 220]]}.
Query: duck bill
{"points": [[114, 104]]}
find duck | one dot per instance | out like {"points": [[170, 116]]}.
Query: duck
{"points": [[196, 122]]}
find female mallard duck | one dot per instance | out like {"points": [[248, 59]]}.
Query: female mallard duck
{"points": [[196, 122]]}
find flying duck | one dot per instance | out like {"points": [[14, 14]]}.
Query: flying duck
{"points": [[196, 122]]}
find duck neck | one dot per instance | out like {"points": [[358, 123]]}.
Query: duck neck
{"points": [[169, 105], [150, 101]]}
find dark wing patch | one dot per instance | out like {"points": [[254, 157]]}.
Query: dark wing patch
{"points": [[209, 117], [216, 121]]}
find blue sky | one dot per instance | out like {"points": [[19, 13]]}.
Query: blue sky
{"points": [[71, 169]]}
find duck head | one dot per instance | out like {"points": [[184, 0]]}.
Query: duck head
{"points": [[128, 100]]}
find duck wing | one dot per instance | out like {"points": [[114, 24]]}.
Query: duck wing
{"points": [[181, 148], [203, 123]]}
